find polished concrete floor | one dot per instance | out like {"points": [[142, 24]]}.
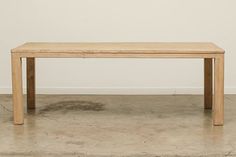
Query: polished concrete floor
{"points": [[117, 126]]}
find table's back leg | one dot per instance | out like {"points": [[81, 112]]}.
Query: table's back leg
{"points": [[208, 83], [17, 91], [30, 83], [218, 108]]}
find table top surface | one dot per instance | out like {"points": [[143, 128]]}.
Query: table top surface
{"points": [[120, 47]]}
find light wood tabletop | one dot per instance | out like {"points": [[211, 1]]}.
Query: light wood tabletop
{"points": [[120, 47]]}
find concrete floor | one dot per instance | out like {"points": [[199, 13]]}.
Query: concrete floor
{"points": [[117, 126]]}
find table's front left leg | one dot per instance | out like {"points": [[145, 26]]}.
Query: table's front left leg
{"points": [[30, 83], [17, 91], [218, 108]]}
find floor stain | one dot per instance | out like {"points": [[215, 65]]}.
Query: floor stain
{"points": [[69, 106], [75, 142]]}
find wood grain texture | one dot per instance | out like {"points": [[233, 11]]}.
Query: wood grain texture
{"points": [[218, 108], [17, 91], [112, 55], [30, 83], [120, 48], [208, 83]]}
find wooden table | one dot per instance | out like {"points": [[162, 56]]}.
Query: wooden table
{"points": [[213, 92]]}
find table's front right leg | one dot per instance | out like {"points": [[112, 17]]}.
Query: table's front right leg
{"points": [[218, 108], [17, 91]]}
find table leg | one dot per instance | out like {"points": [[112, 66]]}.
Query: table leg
{"points": [[208, 83], [218, 108], [30, 83], [17, 91]]}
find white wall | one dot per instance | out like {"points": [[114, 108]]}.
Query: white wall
{"points": [[118, 20]]}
